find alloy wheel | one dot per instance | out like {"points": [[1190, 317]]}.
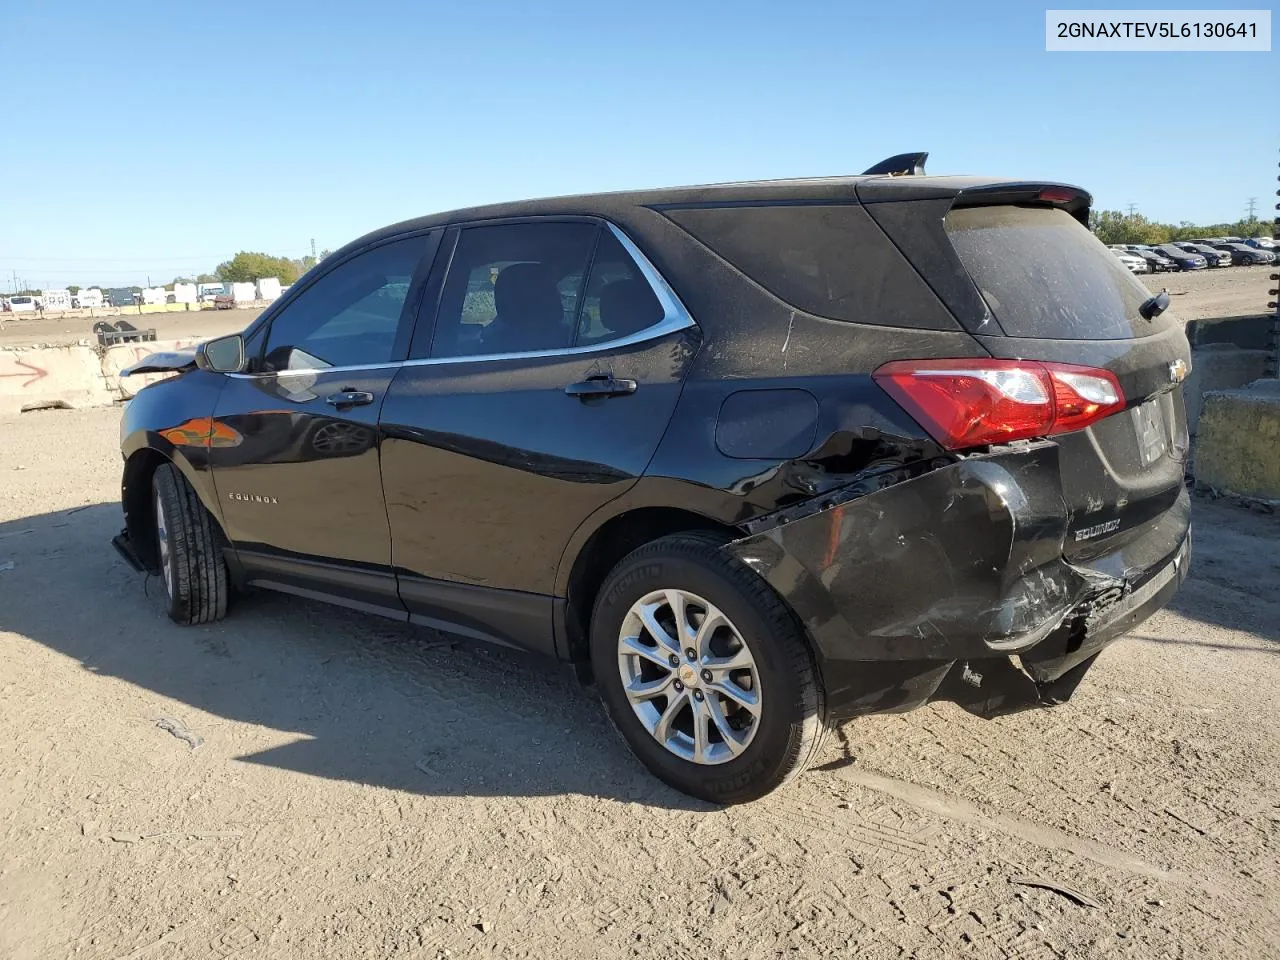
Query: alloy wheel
{"points": [[689, 676], [162, 540]]}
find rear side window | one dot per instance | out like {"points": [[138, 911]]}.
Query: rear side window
{"points": [[1044, 276], [830, 260], [618, 301], [513, 288]]}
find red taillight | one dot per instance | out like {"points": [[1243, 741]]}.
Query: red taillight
{"points": [[970, 403]]}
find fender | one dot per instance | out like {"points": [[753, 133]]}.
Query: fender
{"points": [[177, 424]]}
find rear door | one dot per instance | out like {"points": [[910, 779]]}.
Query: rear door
{"points": [[539, 393], [297, 469], [1031, 282]]}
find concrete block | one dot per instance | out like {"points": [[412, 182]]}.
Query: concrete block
{"points": [[116, 358], [68, 376], [1238, 445], [1219, 366], [1249, 333]]}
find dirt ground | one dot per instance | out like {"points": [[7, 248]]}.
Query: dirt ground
{"points": [[1221, 292], [299, 781]]}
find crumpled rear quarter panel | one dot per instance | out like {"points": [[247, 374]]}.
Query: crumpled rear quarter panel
{"points": [[965, 562]]}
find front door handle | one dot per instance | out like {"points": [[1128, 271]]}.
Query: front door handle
{"points": [[345, 399], [601, 387]]}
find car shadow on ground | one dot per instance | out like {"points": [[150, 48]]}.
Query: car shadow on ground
{"points": [[374, 701], [365, 699]]}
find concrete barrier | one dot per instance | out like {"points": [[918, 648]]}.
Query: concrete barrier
{"points": [[69, 376], [1252, 332], [1219, 366], [78, 375], [116, 358], [1238, 446]]}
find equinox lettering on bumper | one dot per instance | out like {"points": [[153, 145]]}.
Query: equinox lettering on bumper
{"points": [[1088, 533]]}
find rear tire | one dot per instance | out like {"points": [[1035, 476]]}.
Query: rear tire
{"points": [[746, 750], [188, 545]]}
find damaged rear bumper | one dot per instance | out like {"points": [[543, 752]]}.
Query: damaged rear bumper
{"points": [[953, 585]]}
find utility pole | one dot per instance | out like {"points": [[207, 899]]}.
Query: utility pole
{"points": [[1253, 207], [1132, 208], [313, 248]]}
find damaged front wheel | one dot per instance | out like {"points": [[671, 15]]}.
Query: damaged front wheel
{"points": [[705, 671]]}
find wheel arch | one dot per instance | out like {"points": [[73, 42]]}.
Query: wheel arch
{"points": [[135, 497], [607, 544]]}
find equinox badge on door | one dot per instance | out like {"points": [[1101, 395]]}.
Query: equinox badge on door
{"points": [[252, 498], [1178, 371]]}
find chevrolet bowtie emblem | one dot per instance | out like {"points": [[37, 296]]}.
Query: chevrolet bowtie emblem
{"points": [[1178, 371]]}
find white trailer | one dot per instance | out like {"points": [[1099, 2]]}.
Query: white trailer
{"points": [[184, 293], [56, 299], [244, 292], [90, 298], [269, 289]]}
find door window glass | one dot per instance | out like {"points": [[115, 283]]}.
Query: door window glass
{"points": [[618, 300], [350, 316], [513, 288]]}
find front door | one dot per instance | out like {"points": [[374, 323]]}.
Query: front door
{"points": [[539, 395], [296, 468]]}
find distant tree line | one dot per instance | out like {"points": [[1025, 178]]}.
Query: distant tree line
{"points": [[1113, 226], [244, 267], [248, 267]]}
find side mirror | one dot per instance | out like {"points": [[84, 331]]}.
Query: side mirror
{"points": [[224, 355]]}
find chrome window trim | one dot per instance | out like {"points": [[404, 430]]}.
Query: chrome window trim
{"points": [[675, 317]]}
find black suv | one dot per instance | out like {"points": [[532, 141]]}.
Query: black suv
{"points": [[757, 457]]}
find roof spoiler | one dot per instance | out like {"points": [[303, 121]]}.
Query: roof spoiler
{"points": [[903, 165]]}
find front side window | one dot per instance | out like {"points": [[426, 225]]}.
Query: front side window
{"points": [[350, 316]]}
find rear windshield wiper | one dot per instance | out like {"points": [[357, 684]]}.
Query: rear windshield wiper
{"points": [[1152, 307]]}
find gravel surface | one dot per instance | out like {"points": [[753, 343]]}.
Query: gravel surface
{"points": [[299, 781], [1221, 292]]}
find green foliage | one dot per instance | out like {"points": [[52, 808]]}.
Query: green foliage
{"points": [[246, 267], [73, 289], [1112, 226], [207, 278]]}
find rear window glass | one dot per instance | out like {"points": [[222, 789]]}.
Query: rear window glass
{"points": [[1045, 276], [830, 260]]}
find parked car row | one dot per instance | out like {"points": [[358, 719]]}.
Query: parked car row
{"points": [[1195, 254]]}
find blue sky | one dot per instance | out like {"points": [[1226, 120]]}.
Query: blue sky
{"points": [[160, 137]]}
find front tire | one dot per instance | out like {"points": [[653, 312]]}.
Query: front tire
{"points": [[705, 672], [192, 570]]}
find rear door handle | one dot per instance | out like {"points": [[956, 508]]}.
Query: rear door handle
{"points": [[345, 399], [601, 387]]}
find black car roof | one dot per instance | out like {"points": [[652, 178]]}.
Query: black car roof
{"points": [[832, 188]]}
